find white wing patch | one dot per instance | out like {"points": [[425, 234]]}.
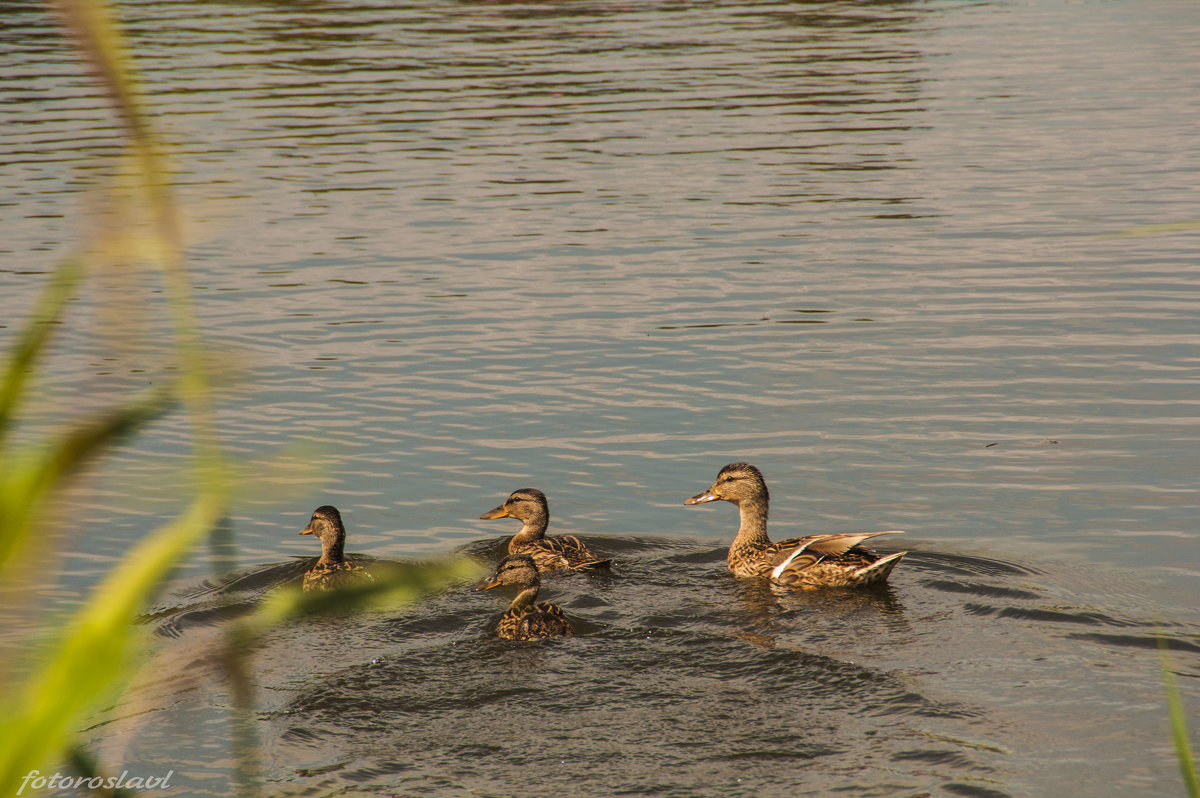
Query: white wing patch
{"points": [[779, 569]]}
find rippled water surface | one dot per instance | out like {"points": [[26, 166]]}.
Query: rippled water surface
{"points": [[931, 266]]}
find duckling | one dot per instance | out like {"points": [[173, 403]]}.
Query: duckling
{"points": [[332, 570], [529, 505], [525, 619], [800, 563]]}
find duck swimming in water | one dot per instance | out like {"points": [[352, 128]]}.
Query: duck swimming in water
{"points": [[799, 563], [525, 619], [529, 506], [331, 570]]}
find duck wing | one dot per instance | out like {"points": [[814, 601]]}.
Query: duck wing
{"points": [[836, 545], [534, 623], [564, 551], [836, 551]]}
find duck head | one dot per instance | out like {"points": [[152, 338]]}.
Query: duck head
{"points": [[736, 482], [518, 570], [326, 525], [527, 504]]}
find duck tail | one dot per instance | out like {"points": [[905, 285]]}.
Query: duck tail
{"points": [[592, 565], [879, 570]]}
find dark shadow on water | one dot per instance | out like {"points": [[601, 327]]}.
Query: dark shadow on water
{"points": [[1189, 644], [965, 564]]}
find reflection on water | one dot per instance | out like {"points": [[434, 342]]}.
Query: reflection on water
{"points": [[604, 249]]}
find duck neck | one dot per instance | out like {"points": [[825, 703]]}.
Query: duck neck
{"points": [[525, 599], [533, 530], [331, 548], [752, 528]]}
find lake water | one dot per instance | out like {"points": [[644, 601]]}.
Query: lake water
{"points": [[931, 266]]}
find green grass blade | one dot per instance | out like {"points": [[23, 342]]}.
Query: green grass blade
{"points": [[92, 653], [99, 39], [85, 765], [26, 485], [1155, 229], [34, 338], [1179, 730], [43, 708], [393, 585]]}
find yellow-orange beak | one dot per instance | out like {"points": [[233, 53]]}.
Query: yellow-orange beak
{"points": [[488, 585], [700, 498], [307, 530], [497, 512]]}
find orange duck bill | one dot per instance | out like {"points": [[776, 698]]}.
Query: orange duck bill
{"points": [[701, 498], [495, 512], [488, 585]]}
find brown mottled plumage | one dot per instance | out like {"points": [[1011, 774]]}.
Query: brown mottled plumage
{"points": [[525, 619], [800, 563], [331, 571], [529, 505]]}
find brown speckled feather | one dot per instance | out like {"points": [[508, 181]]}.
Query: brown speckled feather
{"points": [[799, 563], [331, 571], [330, 576], [832, 561], [563, 551], [534, 622], [530, 506], [525, 619]]}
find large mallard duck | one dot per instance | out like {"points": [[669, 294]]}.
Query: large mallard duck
{"points": [[529, 506], [332, 570], [800, 563], [525, 619]]}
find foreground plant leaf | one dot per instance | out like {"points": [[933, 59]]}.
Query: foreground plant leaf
{"points": [[1179, 730], [90, 655], [29, 481]]}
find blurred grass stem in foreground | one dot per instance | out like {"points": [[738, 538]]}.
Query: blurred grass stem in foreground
{"points": [[51, 686], [57, 675], [1179, 729]]}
